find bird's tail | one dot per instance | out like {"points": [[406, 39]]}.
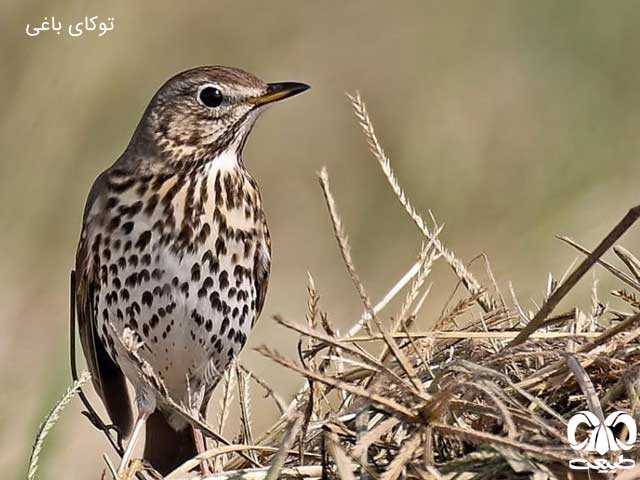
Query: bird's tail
{"points": [[165, 448]]}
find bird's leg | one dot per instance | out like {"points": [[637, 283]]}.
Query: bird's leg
{"points": [[201, 447], [195, 398], [137, 428]]}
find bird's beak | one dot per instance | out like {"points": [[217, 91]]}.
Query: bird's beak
{"points": [[279, 91]]}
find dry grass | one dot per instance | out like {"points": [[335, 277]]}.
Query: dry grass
{"points": [[50, 420], [485, 395]]}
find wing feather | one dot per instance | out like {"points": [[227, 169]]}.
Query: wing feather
{"points": [[108, 379], [262, 268]]}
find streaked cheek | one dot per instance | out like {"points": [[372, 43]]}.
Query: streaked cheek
{"points": [[212, 130]]}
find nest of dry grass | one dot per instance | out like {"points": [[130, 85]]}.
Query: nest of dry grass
{"points": [[486, 393]]}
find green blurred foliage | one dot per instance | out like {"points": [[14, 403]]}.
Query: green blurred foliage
{"points": [[511, 120]]}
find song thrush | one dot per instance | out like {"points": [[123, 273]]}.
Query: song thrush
{"points": [[175, 254]]}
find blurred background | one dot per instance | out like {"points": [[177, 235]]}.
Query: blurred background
{"points": [[511, 121]]}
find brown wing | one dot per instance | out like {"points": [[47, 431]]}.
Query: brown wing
{"points": [[107, 377], [262, 268]]}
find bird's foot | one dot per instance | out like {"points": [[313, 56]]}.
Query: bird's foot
{"points": [[106, 428]]}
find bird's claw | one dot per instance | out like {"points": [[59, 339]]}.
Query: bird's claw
{"points": [[100, 425]]}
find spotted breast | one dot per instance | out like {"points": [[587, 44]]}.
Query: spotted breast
{"points": [[183, 260]]}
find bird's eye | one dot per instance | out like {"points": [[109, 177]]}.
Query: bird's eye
{"points": [[210, 96]]}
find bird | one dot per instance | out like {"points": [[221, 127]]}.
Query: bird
{"points": [[174, 257]]}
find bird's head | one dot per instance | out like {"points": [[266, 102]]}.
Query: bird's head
{"points": [[206, 111]]}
